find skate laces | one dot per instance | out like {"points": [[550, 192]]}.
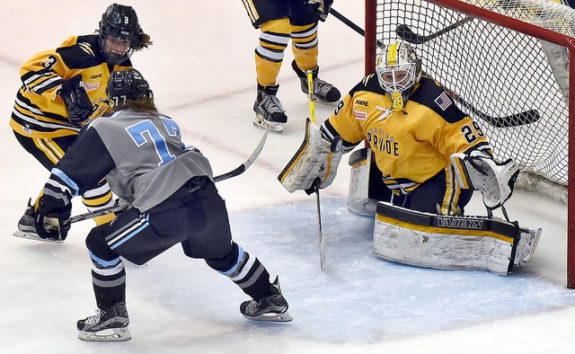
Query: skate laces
{"points": [[321, 87], [271, 104], [94, 319]]}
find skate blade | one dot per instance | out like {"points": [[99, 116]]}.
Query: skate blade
{"points": [[271, 317], [106, 335], [274, 127], [34, 236]]}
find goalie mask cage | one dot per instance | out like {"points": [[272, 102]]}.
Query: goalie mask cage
{"points": [[506, 64]]}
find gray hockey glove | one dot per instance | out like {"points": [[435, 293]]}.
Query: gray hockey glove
{"points": [[317, 157], [52, 219], [478, 170], [321, 6], [78, 104]]}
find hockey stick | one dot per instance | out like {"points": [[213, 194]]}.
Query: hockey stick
{"points": [[317, 180], [405, 33], [121, 205], [351, 25], [514, 120]]}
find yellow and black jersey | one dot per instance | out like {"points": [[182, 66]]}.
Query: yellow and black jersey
{"points": [[38, 110], [410, 145]]}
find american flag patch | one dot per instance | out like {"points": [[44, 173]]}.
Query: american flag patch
{"points": [[443, 101]]}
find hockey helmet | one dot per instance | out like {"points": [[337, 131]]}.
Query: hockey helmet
{"points": [[119, 33], [398, 69], [127, 85]]}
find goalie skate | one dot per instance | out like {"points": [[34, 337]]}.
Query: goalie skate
{"points": [[109, 325], [272, 308], [526, 245]]}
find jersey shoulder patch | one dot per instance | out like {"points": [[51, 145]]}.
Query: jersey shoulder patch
{"points": [[430, 94]]}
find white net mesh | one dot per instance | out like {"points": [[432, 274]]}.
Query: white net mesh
{"points": [[501, 78]]}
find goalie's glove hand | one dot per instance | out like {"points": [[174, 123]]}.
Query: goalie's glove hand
{"points": [[321, 7], [495, 180], [52, 219], [78, 104]]}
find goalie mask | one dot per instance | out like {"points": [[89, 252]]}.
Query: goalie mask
{"points": [[398, 69], [127, 85], [119, 33]]}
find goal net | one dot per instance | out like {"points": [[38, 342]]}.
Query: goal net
{"points": [[505, 63]]}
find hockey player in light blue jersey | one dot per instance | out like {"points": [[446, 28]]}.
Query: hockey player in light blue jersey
{"points": [[173, 199]]}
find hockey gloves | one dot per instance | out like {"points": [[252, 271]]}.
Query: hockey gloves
{"points": [[52, 219], [78, 104], [321, 6], [317, 158], [479, 171]]}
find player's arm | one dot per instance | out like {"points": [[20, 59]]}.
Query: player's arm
{"points": [[321, 150], [475, 168], [84, 164]]}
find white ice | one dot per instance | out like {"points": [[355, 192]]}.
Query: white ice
{"points": [[201, 67]]}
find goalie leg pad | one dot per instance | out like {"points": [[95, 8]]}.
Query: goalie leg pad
{"points": [[494, 180], [314, 159], [526, 245], [444, 241]]}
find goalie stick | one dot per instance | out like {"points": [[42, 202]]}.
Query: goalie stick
{"points": [[121, 205], [514, 120], [317, 180]]}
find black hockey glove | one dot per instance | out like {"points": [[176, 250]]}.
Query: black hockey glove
{"points": [[321, 6], [52, 219], [78, 104]]}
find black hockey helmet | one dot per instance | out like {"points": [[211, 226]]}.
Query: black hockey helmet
{"points": [[127, 85], [119, 32]]}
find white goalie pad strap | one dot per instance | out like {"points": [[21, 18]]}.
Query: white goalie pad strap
{"points": [[313, 160], [479, 171], [448, 242]]}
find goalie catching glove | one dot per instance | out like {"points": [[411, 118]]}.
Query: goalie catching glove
{"points": [[478, 170], [317, 158]]}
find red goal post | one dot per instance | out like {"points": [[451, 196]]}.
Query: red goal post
{"points": [[449, 32]]}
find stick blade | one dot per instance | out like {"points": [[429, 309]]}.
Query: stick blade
{"points": [[405, 33]]}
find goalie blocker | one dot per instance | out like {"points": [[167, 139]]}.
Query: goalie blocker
{"points": [[451, 242]]}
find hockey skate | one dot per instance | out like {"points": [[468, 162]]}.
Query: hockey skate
{"points": [[27, 228], [323, 92], [272, 308], [527, 244], [106, 325], [269, 111]]}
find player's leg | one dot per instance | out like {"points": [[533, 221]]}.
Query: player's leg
{"points": [[213, 242], [137, 237], [271, 18], [438, 195], [48, 151], [304, 35]]}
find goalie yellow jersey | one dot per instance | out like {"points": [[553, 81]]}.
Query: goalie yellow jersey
{"points": [[38, 111], [410, 145]]}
